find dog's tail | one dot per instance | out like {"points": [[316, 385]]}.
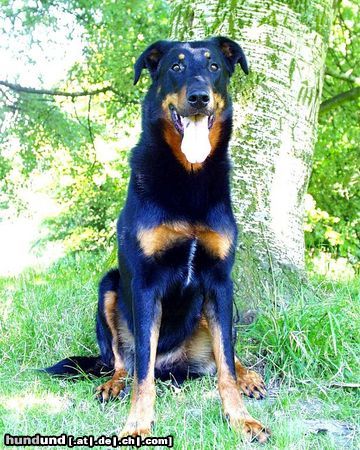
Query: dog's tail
{"points": [[78, 366]]}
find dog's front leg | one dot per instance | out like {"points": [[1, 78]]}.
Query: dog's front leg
{"points": [[147, 319], [218, 310]]}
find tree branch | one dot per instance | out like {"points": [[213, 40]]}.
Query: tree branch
{"points": [[339, 99], [29, 90], [341, 76]]}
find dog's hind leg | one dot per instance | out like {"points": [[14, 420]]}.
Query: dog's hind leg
{"points": [[107, 329], [201, 360]]}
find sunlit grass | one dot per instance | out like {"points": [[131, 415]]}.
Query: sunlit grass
{"points": [[316, 334], [304, 347]]}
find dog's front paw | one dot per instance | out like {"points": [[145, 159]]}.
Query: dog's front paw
{"points": [[252, 429], [136, 428]]}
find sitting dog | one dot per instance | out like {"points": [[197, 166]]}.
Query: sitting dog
{"points": [[167, 310]]}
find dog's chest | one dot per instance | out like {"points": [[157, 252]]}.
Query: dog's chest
{"points": [[190, 262], [157, 241]]}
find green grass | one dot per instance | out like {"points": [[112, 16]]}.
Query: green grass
{"points": [[302, 346]]}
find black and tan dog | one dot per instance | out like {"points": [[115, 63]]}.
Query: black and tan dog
{"points": [[167, 310]]}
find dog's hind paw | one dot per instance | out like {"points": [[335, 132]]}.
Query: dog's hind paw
{"points": [[110, 390], [251, 384]]}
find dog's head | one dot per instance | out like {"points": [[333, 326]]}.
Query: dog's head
{"points": [[189, 92]]}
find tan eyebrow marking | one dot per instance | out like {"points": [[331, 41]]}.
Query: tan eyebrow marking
{"points": [[207, 55], [181, 56]]}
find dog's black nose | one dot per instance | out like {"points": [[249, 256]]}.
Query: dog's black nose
{"points": [[198, 99]]}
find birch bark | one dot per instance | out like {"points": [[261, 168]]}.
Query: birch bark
{"points": [[275, 119]]}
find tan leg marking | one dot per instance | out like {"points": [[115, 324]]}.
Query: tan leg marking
{"points": [[233, 406], [141, 415], [249, 381], [199, 354], [198, 349], [116, 384]]}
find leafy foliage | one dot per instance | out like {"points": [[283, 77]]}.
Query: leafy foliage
{"points": [[75, 140], [78, 145], [333, 224]]}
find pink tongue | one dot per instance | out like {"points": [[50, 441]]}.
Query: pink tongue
{"points": [[195, 143]]}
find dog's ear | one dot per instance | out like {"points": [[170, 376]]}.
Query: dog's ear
{"points": [[232, 52], [150, 59]]}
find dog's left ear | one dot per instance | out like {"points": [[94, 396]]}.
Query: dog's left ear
{"points": [[232, 52], [150, 59]]}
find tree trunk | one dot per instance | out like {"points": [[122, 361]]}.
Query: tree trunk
{"points": [[275, 118]]}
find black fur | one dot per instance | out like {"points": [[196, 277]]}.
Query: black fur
{"points": [[163, 190], [79, 365]]}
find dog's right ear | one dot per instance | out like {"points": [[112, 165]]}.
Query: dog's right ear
{"points": [[150, 59]]}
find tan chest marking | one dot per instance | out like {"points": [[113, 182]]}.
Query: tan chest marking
{"points": [[165, 236], [217, 244]]}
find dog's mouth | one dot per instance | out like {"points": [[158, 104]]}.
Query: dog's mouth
{"points": [[194, 130], [179, 120]]}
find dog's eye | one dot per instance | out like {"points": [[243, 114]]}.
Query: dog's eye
{"points": [[176, 67], [214, 67]]}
